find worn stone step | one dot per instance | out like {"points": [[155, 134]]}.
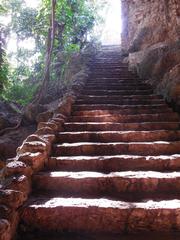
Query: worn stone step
{"points": [[120, 66], [103, 109], [108, 60], [102, 80], [120, 118], [119, 84], [115, 83], [114, 148], [110, 67], [131, 111], [111, 70], [113, 80], [120, 101], [100, 236], [115, 136], [118, 87], [100, 215], [118, 80], [111, 184], [113, 75], [103, 67], [127, 197], [120, 97], [115, 163], [116, 92], [109, 126]]}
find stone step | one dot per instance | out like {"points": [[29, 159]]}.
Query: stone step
{"points": [[120, 101], [109, 58], [102, 65], [126, 197], [108, 70], [120, 97], [120, 118], [110, 67], [115, 148], [115, 163], [117, 92], [131, 111], [113, 82], [111, 184], [123, 86], [100, 236], [102, 80], [120, 84], [115, 136], [109, 126], [113, 72], [107, 62], [103, 109], [112, 75], [118, 87], [100, 215]]}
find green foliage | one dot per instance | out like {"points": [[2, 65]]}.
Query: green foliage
{"points": [[2, 9], [21, 93], [74, 20], [24, 23], [4, 67], [4, 70]]}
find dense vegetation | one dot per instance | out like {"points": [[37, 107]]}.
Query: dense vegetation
{"points": [[45, 40]]}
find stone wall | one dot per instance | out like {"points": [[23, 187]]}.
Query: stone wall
{"points": [[151, 36]]}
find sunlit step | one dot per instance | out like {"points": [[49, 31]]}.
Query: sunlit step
{"points": [[117, 92], [115, 136], [110, 126], [124, 118], [115, 163], [136, 148], [111, 184], [100, 215]]}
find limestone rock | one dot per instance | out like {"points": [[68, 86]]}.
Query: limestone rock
{"points": [[5, 230], [19, 183], [12, 198], [17, 167], [45, 131], [35, 160], [33, 146], [43, 117]]}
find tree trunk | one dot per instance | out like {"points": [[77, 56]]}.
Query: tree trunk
{"points": [[49, 52]]}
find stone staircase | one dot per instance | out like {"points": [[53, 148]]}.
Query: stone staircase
{"points": [[115, 167]]}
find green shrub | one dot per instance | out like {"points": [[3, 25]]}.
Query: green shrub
{"points": [[4, 70], [20, 92]]}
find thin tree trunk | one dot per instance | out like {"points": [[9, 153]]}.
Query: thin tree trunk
{"points": [[49, 52]]}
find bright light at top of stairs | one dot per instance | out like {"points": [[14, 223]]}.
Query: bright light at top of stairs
{"points": [[113, 24]]}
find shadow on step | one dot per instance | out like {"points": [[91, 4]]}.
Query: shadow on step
{"points": [[142, 236]]}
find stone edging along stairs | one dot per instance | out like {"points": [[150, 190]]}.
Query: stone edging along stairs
{"points": [[114, 165]]}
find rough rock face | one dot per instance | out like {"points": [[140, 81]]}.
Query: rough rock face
{"points": [[151, 36]]}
